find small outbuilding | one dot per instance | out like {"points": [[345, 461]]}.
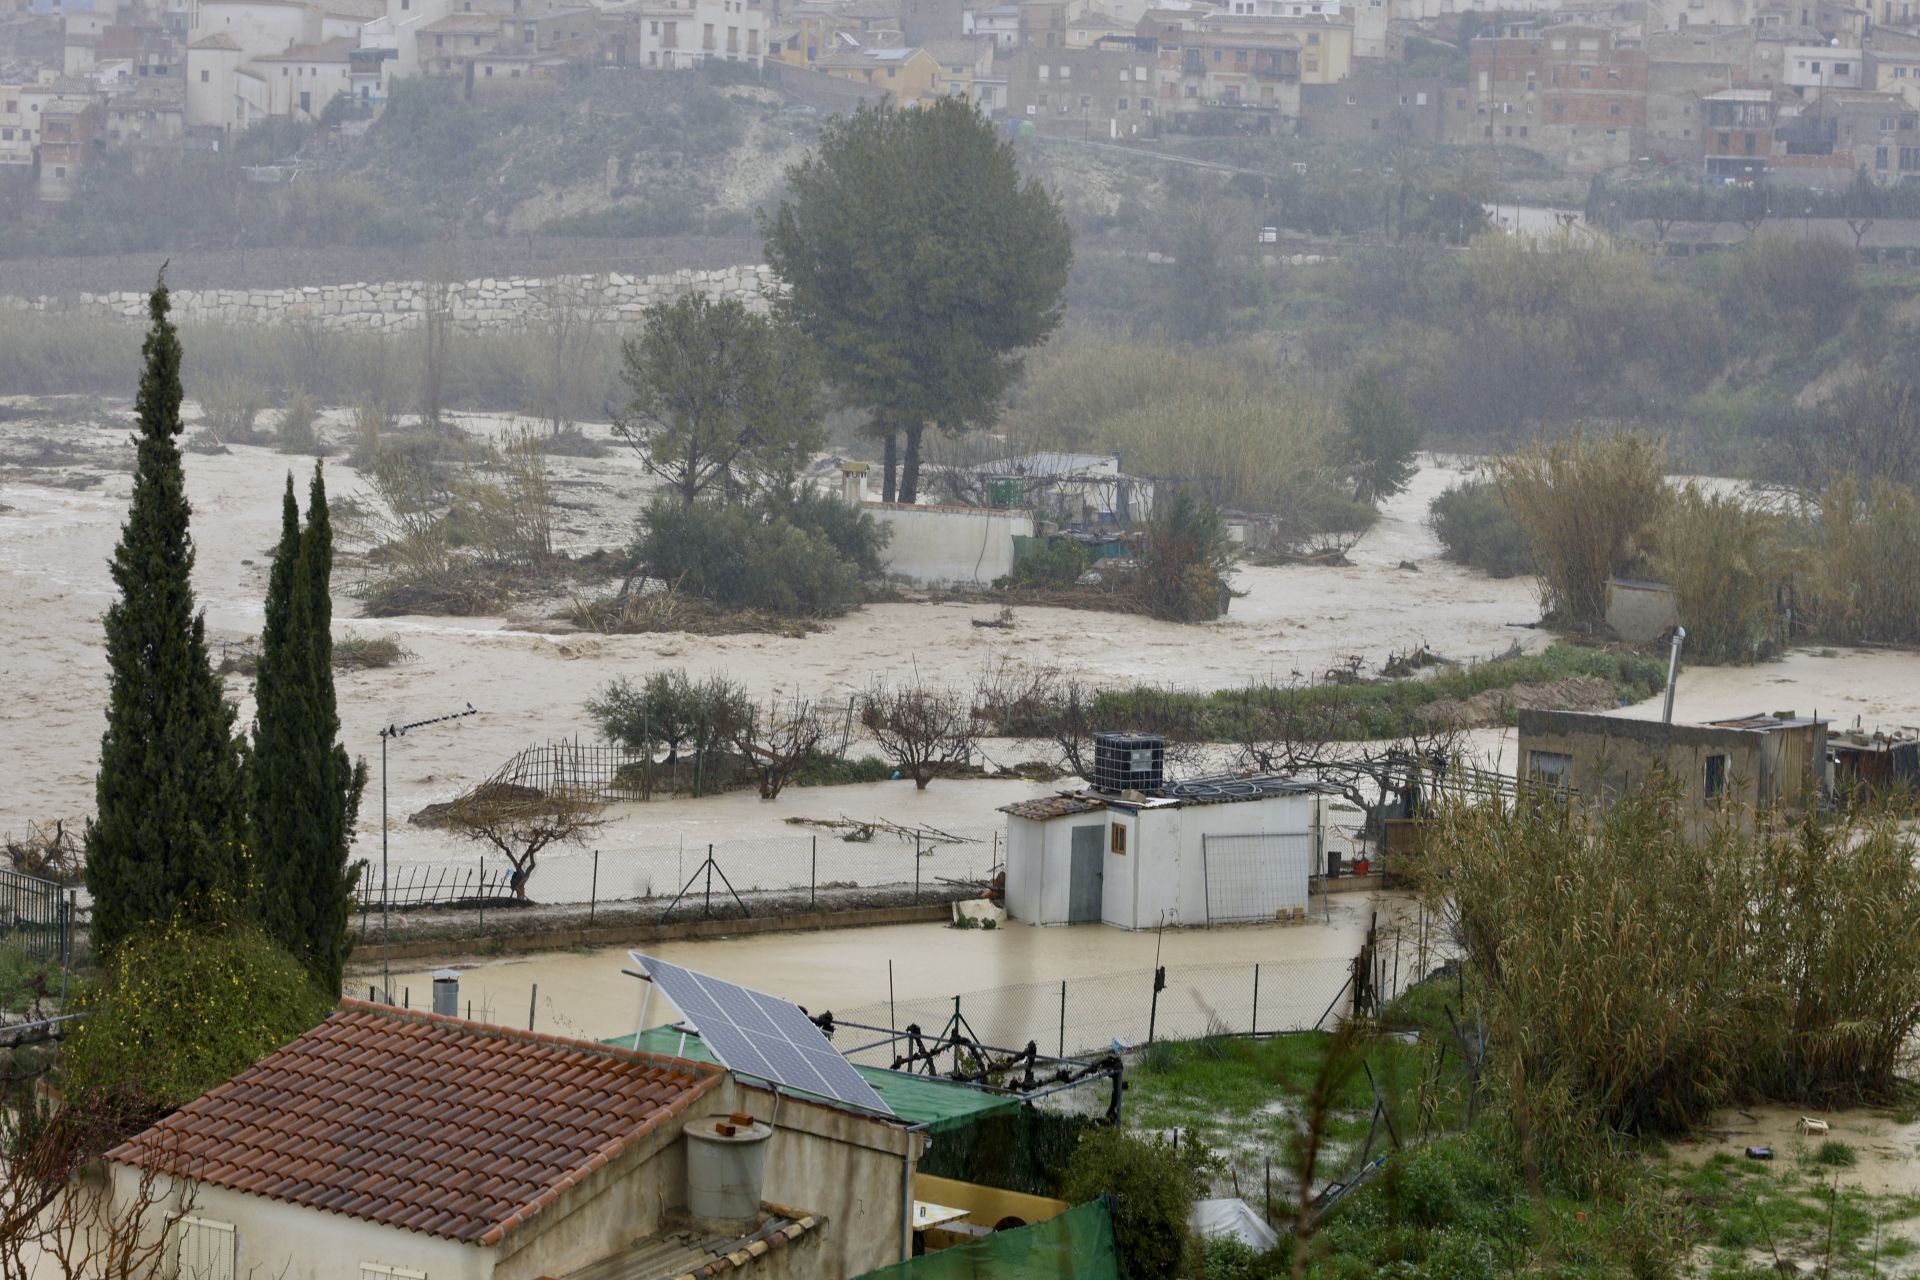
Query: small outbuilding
{"points": [[1137, 852]]}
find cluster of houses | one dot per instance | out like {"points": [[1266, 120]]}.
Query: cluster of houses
{"points": [[1730, 90]]}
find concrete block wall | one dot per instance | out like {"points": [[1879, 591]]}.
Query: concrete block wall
{"points": [[494, 302]]}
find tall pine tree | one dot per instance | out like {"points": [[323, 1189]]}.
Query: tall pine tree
{"points": [[168, 838], [306, 791]]}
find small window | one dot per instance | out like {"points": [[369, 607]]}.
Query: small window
{"points": [[1552, 769], [1716, 777], [203, 77], [1117, 839]]}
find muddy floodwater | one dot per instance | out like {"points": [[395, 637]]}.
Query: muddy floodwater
{"points": [[1108, 972]]}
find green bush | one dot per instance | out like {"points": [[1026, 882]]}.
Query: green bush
{"points": [[1057, 563], [744, 558], [1184, 568], [1474, 525], [179, 1011], [855, 534], [1153, 1190]]}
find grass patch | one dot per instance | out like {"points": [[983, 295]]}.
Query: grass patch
{"points": [[1360, 710], [832, 771], [356, 652]]}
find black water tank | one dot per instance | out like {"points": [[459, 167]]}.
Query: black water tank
{"points": [[1128, 762]]}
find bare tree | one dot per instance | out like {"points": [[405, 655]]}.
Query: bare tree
{"points": [[921, 729], [436, 344], [61, 1211], [519, 822], [780, 742], [564, 329]]}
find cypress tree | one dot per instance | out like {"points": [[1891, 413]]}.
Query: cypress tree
{"points": [[168, 835], [306, 791]]}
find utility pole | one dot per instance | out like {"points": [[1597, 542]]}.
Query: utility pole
{"points": [[387, 734]]}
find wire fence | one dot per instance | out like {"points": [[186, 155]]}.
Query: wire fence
{"points": [[36, 919], [1133, 1007], [928, 865], [1172, 1002]]}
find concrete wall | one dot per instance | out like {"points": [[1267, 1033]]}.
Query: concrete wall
{"points": [[935, 546], [1040, 866], [502, 302], [1163, 869], [1613, 755], [843, 1167], [288, 1242], [1640, 613]]}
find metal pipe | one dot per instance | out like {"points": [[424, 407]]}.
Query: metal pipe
{"points": [[906, 1190], [1673, 671]]}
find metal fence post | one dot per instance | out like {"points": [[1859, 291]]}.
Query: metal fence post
{"points": [[483, 891], [813, 873], [1063, 1017], [916, 868], [1256, 998], [593, 891], [1153, 1010]]}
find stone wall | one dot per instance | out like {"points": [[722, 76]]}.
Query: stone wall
{"points": [[494, 302]]}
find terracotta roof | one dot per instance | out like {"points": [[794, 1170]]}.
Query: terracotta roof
{"points": [[452, 1128], [685, 1249], [465, 24], [1061, 806], [218, 40]]}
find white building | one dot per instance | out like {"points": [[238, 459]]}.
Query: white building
{"points": [[930, 545], [1204, 852]]}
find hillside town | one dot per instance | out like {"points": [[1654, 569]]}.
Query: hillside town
{"points": [[1720, 91]]}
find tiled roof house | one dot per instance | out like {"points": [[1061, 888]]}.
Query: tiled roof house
{"points": [[393, 1145]]}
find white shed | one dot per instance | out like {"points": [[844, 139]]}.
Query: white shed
{"points": [[1205, 852]]}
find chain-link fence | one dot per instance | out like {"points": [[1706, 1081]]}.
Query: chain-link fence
{"points": [[925, 865], [1089, 1014]]}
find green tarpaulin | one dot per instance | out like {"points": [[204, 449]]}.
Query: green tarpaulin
{"points": [[1077, 1245], [941, 1105]]}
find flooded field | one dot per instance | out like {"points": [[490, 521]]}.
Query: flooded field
{"points": [[1108, 973]]}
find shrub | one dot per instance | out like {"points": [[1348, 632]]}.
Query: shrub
{"points": [[178, 1011], [855, 534], [1589, 507], [744, 558], [296, 432], [1722, 558], [1153, 1191], [356, 652], [1861, 583], [229, 407], [1059, 562], [1184, 568], [1477, 529]]}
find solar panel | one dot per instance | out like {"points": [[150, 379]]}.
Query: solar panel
{"points": [[762, 1036]]}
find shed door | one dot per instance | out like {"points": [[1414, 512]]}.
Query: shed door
{"points": [[1083, 884]]}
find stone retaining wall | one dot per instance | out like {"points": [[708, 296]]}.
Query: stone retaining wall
{"points": [[502, 302]]}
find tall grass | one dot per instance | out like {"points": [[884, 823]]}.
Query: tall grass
{"points": [[1862, 580], [510, 370], [1634, 977], [1723, 558], [1589, 506]]}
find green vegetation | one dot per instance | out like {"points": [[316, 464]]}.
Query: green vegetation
{"points": [[1184, 566], [1476, 528], [180, 1010], [743, 557], [1152, 1187], [304, 790], [1382, 439], [1056, 563], [723, 399], [1588, 505], [354, 651], [922, 266], [169, 833], [1360, 711]]}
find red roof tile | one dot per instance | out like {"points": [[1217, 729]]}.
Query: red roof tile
{"points": [[453, 1128]]}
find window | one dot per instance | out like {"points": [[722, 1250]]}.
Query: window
{"points": [[1419, 99], [1910, 158], [1117, 839], [1045, 71], [1313, 37], [1842, 68], [1716, 777], [1614, 110], [201, 1248], [1552, 769], [381, 1271], [60, 171]]}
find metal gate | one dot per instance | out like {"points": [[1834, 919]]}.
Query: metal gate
{"points": [[1085, 874], [1256, 877], [35, 919]]}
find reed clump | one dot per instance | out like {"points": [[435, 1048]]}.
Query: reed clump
{"points": [[1634, 974]]}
